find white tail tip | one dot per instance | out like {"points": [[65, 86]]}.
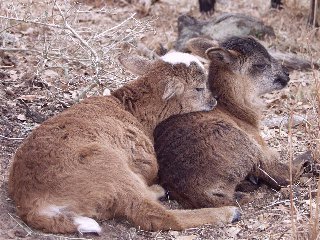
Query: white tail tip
{"points": [[86, 225]]}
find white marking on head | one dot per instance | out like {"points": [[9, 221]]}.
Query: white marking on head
{"points": [[52, 210], [86, 225], [179, 57]]}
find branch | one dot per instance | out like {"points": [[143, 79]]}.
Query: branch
{"points": [[84, 92], [20, 50], [31, 21], [110, 29], [8, 138], [67, 26]]}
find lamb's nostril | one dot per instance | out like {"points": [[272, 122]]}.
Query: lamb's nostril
{"points": [[283, 80], [213, 103]]}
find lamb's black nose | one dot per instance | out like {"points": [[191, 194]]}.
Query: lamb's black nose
{"points": [[283, 79]]}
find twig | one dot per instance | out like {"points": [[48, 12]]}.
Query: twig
{"points": [[268, 176], [29, 231], [67, 26], [26, 228], [237, 202], [20, 50], [84, 92], [5, 67], [115, 27], [7, 28], [294, 231], [276, 203], [32, 21], [77, 46], [8, 138]]}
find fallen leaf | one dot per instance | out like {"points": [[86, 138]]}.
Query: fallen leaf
{"points": [[11, 234], [29, 98], [190, 237], [174, 233], [233, 231], [28, 31], [106, 92], [22, 117], [262, 227], [50, 73]]}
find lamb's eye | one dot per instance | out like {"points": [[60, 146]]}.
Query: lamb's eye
{"points": [[261, 67], [199, 89]]}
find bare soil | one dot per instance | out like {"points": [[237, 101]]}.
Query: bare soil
{"points": [[26, 100]]}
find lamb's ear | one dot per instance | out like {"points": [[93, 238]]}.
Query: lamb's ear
{"points": [[135, 64], [172, 88], [199, 46], [221, 55]]}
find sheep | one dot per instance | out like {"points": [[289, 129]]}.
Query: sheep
{"points": [[96, 160], [206, 158]]}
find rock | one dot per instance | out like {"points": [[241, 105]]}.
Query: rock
{"points": [[22, 117], [283, 121], [240, 25], [224, 26], [293, 62], [233, 231]]}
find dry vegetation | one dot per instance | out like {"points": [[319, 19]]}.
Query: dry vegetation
{"points": [[53, 53]]}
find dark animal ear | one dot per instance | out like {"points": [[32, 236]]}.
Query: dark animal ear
{"points": [[221, 55], [171, 89], [199, 46], [135, 64]]}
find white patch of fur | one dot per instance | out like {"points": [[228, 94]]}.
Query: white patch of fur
{"points": [[52, 210], [86, 225], [179, 57], [157, 191], [106, 92]]}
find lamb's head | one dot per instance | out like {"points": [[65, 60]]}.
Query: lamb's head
{"points": [[187, 82], [177, 80], [244, 58]]}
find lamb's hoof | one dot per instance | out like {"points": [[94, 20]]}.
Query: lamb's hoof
{"points": [[236, 216]]}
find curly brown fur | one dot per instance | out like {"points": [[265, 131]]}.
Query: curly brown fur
{"points": [[96, 160]]}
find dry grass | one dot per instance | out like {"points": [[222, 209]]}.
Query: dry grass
{"points": [[64, 37]]}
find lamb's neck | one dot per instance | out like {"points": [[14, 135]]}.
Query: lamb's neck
{"points": [[141, 102], [241, 113], [242, 107]]}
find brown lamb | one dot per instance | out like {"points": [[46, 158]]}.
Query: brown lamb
{"points": [[96, 160], [205, 157]]}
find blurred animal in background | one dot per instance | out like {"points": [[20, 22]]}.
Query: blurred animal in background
{"points": [[235, 24], [220, 28], [207, 6]]}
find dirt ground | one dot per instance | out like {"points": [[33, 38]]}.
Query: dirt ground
{"points": [[33, 89]]}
